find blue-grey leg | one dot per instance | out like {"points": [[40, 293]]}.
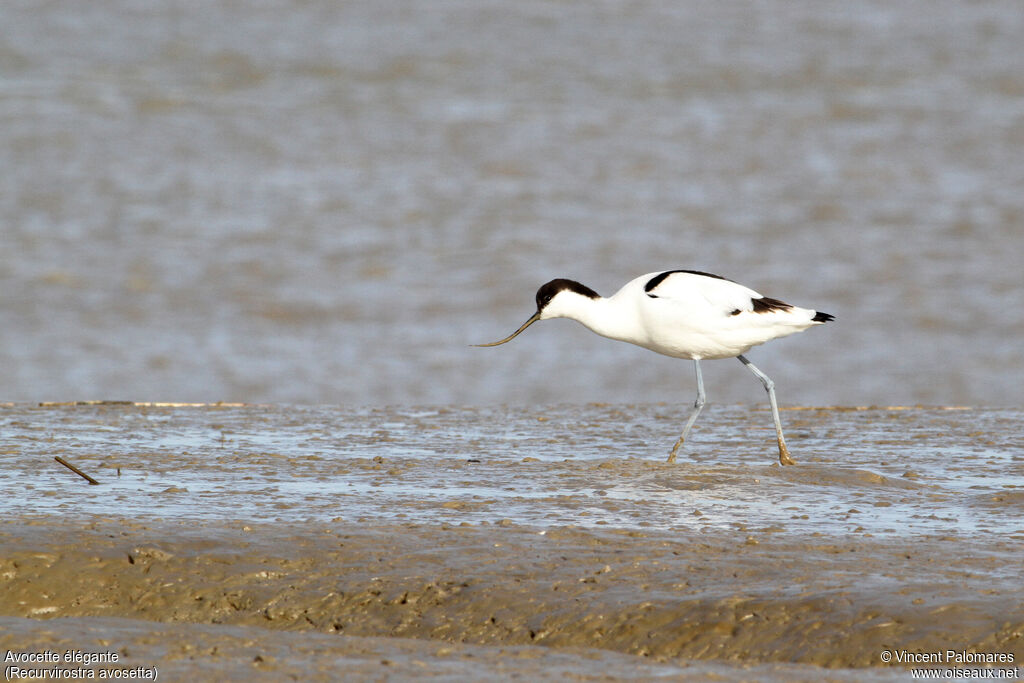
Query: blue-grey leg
{"points": [[697, 406], [769, 386]]}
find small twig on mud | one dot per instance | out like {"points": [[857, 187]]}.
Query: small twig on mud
{"points": [[77, 471]]}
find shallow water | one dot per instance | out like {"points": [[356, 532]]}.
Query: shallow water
{"points": [[874, 471], [326, 203]]}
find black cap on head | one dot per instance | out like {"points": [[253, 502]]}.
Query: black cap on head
{"points": [[544, 296], [548, 291]]}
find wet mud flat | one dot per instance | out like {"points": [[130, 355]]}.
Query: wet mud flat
{"points": [[271, 542]]}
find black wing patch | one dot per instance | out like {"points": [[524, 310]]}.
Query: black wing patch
{"points": [[766, 304], [660, 277]]}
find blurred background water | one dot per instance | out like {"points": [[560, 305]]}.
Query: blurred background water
{"points": [[320, 202]]}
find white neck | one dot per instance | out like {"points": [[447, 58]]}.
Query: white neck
{"points": [[606, 317]]}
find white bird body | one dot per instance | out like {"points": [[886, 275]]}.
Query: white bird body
{"points": [[683, 314]]}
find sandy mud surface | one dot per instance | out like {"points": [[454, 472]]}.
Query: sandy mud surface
{"points": [[270, 543]]}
